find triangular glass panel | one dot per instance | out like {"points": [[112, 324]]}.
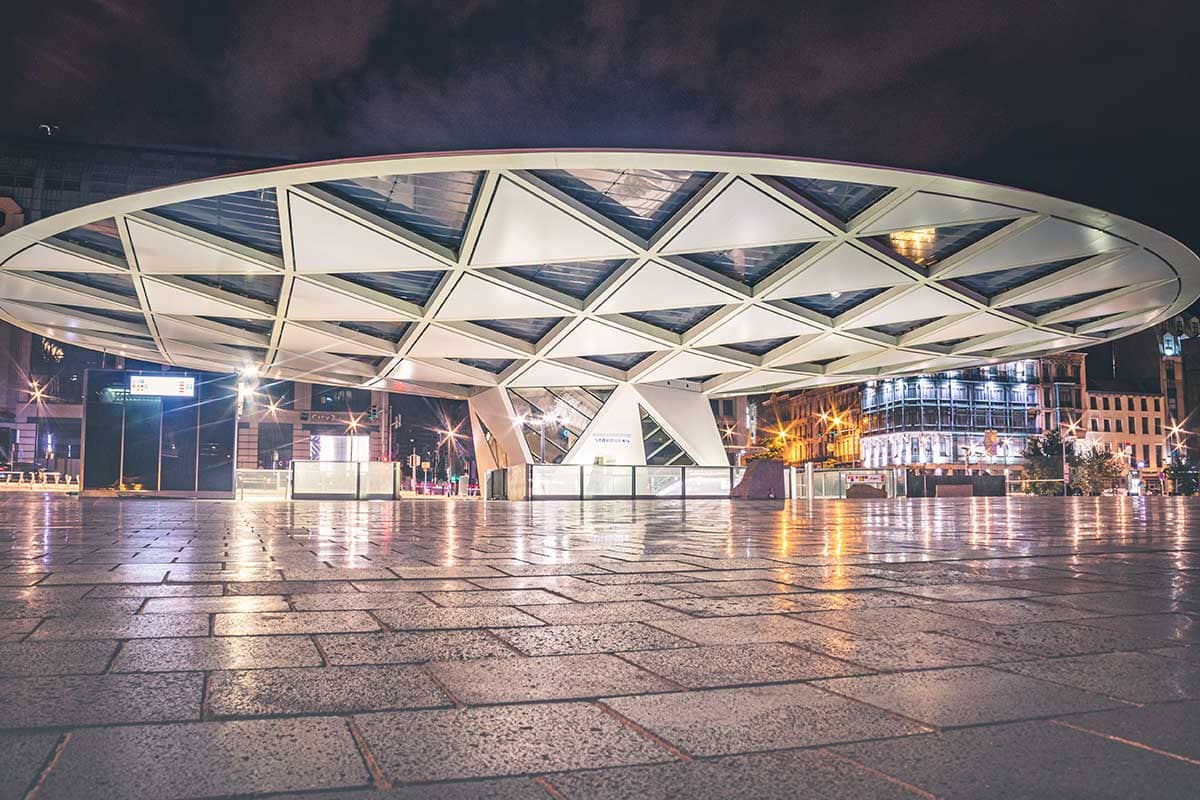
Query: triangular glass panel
{"points": [[640, 200], [1047, 306], [759, 346], [433, 204], [842, 199], [749, 265], [112, 282], [492, 365], [676, 320], [100, 236], [111, 313], [415, 287], [252, 325], [264, 288], [835, 303], [553, 420], [901, 328], [699, 378], [661, 449], [928, 246], [990, 284], [527, 330], [374, 362], [577, 279], [250, 218], [391, 331], [619, 360]]}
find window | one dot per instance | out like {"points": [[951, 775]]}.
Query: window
{"points": [[1095, 424], [274, 445], [1146, 454], [1104, 402], [1158, 455], [1092, 403], [1157, 426], [1144, 404], [1119, 427], [1157, 406], [1132, 424], [1106, 427]]}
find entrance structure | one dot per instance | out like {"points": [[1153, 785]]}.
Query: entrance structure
{"points": [[589, 303]]}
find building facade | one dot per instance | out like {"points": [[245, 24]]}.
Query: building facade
{"points": [[822, 425]]}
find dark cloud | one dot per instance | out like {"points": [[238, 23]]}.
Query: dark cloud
{"points": [[1092, 100]]}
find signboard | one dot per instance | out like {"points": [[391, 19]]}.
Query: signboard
{"points": [[612, 438], [162, 385], [866, 477]]}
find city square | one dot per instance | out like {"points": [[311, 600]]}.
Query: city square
{"points": [[996, 647], [593, 400]]}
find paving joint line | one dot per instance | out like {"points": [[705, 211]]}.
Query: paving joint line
{"points": [[49, 765], [378, 778], [644, 732], [1122, 740], [879, 773]]}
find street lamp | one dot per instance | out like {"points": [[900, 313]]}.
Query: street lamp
{"points": [[1072, 427], [448, 435]]}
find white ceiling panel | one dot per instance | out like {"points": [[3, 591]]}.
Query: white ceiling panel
{"points": [[928, 210], [17, 286], [326, 241], [311, 301], [41, 257], [753, 323], [162, 253], [743, 216], [168, 299], [593, 337], [522, 228], [844, 269], [475, 298], [652, 285], [444, 343], [1043, 242], [921, 303]]}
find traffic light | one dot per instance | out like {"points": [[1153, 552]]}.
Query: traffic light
{"points": [[373, 414]]}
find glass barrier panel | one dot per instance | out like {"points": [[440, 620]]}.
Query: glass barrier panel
{"points": [[602, 481], [658, 481], [376, 479], [325, 478], [706, 481], [264, 483], [555, 481]]}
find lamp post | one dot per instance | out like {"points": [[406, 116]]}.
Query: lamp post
{"points": [[1071, 428]]}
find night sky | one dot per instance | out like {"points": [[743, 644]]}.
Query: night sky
{"points": [[1092, 101]]}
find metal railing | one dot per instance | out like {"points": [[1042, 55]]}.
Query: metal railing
{"points": [[596, 482]]}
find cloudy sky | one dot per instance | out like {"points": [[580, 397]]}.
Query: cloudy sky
{"points": [[1095, 101]]}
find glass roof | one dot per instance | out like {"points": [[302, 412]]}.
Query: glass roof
{"points": [[111, 313], [101, 236], [901, 328], [113, 282], [640, 200], [432, 204], [250, 218], [759, 346], [619, 360], [842, 199], [661, 449], [990, 284], [749, 265], [928, 246], [577, 279], [676, 320], [415, 287], [252, 325], [256, 287], [528, 330], [1047, 306], [392, 331], [834, 303], [492, 365]]}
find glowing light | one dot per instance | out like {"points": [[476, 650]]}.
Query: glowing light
{"points": [[913, 244]]}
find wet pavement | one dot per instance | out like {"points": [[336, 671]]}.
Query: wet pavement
{"points": [[1020, 647]]}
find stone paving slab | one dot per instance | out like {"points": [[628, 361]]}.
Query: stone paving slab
{"points": [[1170, 727], [604, 637], [403, 619], [413, 646], [225, 652], [1136, 677], [1027, 760], [206, 759], [502, 740], [54, 658], [22, 756], [785, 775], [320, 690], [122, 626], [254, 624], [67, 700], [744, 720], [959, 696], [734, 665], [517, 680]]}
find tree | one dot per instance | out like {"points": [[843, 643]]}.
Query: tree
{"points": [[772, 451], [1043, 454], [1184, 474], [1095, 472]]}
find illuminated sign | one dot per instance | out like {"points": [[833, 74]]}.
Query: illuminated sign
{"points": [[162, 385]]}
